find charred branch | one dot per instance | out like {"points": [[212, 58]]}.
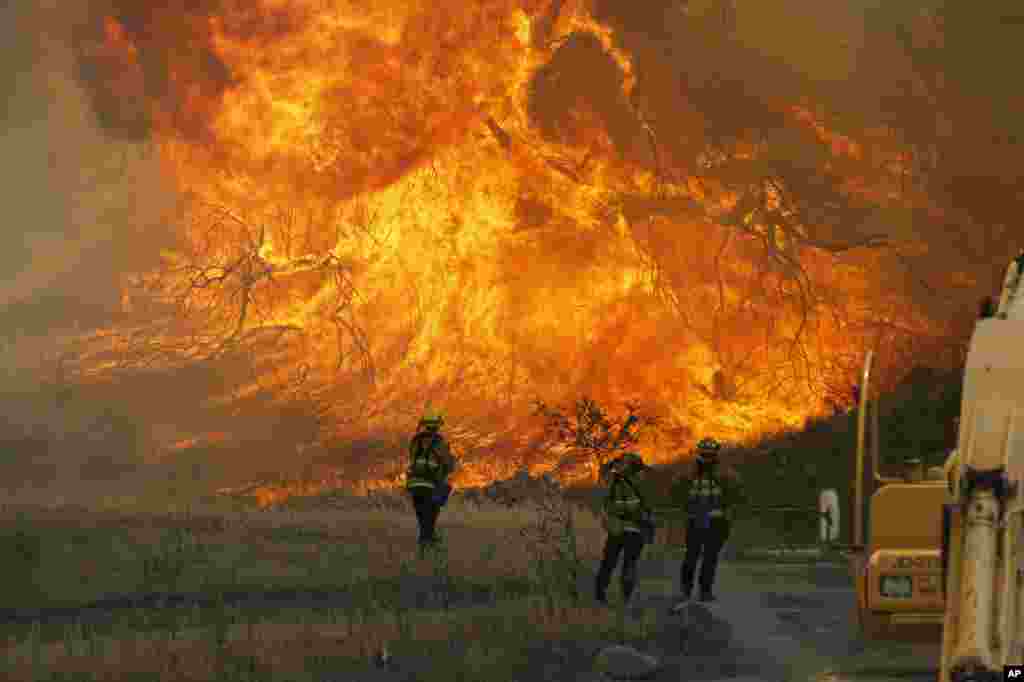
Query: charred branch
{"points": [[868, 242], [565, 169], [503, 138], [228, 285], [545, 24]]}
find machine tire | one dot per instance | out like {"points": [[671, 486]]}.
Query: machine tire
{"points": [[828, 501]]}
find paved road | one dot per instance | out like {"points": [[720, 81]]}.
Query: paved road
{"points": [[772, 623], [775, 622]]}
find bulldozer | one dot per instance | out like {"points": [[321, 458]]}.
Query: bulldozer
{"points": [[896, 559], [983, 520]]}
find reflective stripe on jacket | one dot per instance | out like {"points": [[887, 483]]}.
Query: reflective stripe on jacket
{"points": [[624, 504], [706, 493], [439, 462]]}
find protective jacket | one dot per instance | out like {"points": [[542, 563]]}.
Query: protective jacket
{"points": [[624, 508], [708, 495], [431, 461]]}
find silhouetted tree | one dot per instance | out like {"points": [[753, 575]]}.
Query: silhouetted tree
{"points": [[591, 432]]}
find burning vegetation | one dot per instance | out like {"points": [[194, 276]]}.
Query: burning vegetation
{"points": [[376, 206]]}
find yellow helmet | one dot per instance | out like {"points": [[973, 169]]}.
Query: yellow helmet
{"points": [[630, 462], [432, 419], [707, 451]]}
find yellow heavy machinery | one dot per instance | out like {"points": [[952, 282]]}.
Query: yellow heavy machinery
{"points": [[896, 563], [983, 530]]}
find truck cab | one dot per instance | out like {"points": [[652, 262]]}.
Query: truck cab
{"points": [[900, 588], [896, 561], [898, 567]]}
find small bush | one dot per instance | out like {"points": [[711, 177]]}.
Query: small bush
{"points": [[177, 550], [552, 543]]}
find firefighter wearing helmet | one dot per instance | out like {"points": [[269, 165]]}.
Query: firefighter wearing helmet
{"points": [[431, 463], [627, 519], [709, 494]]}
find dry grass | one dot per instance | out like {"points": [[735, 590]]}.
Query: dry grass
{"points": [[107, 547], [260, 550], [291, 650]]}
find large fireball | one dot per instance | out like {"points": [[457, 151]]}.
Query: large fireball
{"points": [[388, 204]]}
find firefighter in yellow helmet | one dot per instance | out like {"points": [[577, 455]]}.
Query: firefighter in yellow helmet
{"points": [[708, 494], [627, 518], [431, 463]]}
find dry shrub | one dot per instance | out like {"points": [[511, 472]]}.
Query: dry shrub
{"points": [[484, 542]]}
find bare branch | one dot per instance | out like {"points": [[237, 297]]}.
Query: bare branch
{"points": [[503, 138]]}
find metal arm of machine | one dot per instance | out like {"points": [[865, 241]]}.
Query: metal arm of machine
{"points": [[984, 551], [858, 517], [877, 478], [876, 433]]}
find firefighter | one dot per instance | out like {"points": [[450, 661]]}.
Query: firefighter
{"points": [[627, 519], [709, 496], [431, 463]]}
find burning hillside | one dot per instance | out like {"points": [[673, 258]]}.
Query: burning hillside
{"points": [[381, 205]]}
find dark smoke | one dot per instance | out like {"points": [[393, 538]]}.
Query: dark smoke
{"points": [[174, 73], [937, 75], [83, 206], [581, 73]]}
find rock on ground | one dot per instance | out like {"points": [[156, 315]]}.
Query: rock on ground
{"points": [[625, 663]]}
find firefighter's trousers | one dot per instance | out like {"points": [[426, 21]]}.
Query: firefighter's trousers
{"points": [[704, 545], [633, 544], [427, 511]]}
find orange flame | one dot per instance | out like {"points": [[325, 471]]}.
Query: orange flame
{"points": [[371, 180]]}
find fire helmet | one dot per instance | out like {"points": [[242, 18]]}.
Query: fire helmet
{"points": [[432, 419], [707, 450], [625, 464], [633, 461]]}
